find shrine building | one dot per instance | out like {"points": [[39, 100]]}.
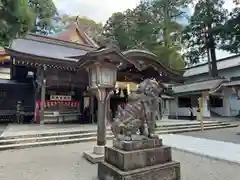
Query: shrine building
{"points": [[221, 95], [39, 68]]}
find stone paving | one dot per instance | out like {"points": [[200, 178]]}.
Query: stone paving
{"points": [[47, 163], [226, 135], [195, 167], [211, 148], [65, 162]]}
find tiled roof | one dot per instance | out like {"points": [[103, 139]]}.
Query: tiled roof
{"points": [[198, 86], [225, 63], [164, 96], [54, 40], [45, 49], [66, 34]]}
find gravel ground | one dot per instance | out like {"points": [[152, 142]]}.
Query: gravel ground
{"points": [[195, 167], [226, 135], [65, 162]]}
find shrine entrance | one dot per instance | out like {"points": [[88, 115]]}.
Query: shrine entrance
{"points": [[138, 65]]}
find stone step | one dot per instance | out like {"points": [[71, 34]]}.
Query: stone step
{"points": [[81, 134], [49, 143], [178, 124], [49, 133], [49, 138], [74, 131], [18, 143], [191, 126], [195, 129]]}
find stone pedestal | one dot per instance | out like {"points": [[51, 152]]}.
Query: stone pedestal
{"points": [[138, 160], [95, 156]]}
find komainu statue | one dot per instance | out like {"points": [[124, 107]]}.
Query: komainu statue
{"points": [[137, 120]]}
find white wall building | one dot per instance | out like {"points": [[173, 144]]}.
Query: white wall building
{"points": [[219, 95]]}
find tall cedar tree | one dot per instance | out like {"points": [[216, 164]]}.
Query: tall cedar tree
{"points": [[231, 32], [45, 15], [142, 27], [203, 32]]}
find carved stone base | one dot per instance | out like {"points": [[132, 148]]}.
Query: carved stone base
{"points": [[140, 160], [129, 160], [137, 145], [167, 171]]}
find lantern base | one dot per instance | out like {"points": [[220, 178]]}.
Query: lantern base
{"points": [[95, 156]]}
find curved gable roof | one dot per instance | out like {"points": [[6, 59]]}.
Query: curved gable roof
{"points": [[148, 59], [135, 62], [76, 28], [225, 63]]}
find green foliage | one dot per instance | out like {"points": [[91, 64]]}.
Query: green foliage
{"points": [[17, 17], [15, 20], [135, 28], [169, 56], [151, 25], [119, 27], [45, 13], [231, 33], [204, 29]]}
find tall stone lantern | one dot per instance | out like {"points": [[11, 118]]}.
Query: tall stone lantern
{"points": [[102, 69], [102, 79]]}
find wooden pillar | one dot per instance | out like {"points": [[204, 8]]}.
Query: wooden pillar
{"points": [[92, 115], [13, 68], [43, 94], [36, 95], [80, 97]]}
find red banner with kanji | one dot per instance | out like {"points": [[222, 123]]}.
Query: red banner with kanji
{"points": [[50, 103]]}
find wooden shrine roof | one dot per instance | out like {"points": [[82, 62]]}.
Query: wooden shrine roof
{"points": [[133, 65], [38, 50], [136, 65], [49, 47], [75, 28], [197, 87], [149, 64]]}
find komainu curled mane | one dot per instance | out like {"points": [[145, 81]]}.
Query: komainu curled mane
{"points": [[139, 114]]}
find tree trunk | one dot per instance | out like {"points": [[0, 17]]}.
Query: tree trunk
{"points": [[206, 41], [211, 43], [209, 63], [166, 35], [213, 56]]}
